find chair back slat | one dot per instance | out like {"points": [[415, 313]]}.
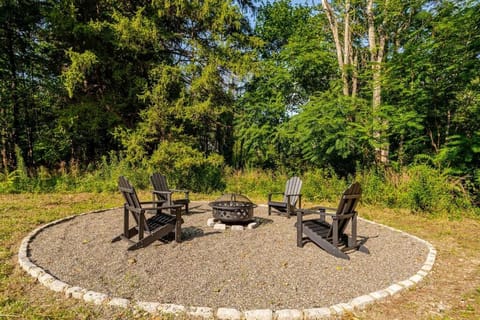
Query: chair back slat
{"points": [[128, 192], [292, 186], [348, 204], [159, 182]]}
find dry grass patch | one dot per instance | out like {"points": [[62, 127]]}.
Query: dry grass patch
{"points": [[452, 290]]}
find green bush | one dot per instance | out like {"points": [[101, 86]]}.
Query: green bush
{"points": [[379, 187], [419, 188], [430, 190], [254, 183], [188, 168], [321, 185]]}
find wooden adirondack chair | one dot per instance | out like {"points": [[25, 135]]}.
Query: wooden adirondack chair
{"points": [[331, 236], [290, 198], [149, 229], [162, 192]]}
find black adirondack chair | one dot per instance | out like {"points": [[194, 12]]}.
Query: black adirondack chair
{"points": [[162, 192], [150, 229], [331, 236], [291, 196]]}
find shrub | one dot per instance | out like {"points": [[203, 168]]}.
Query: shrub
{"points": [[322, 185], [188, 168], [254, 182], [430, 190]]}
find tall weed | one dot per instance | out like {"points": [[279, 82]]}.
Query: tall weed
{"points": [[322, 185], [254, 183]]}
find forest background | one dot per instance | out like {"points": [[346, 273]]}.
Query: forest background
{"points": [[237, 96]]}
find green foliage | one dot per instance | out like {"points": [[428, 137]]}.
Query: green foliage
{"points": [[419, 188], [188, 168], [254, 183], [81, 63], [191, 82], [379, 187], [322, 185], [296, 62], [335, 130]]}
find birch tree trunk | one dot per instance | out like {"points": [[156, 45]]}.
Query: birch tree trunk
{"points": [[345, 51], [348, 60], [376, 41]]}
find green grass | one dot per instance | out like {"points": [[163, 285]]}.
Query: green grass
{"points": [[20, 296]]}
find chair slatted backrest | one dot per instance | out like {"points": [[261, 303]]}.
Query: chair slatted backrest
{"points": [[292, 186], [159, 183], [128, 192], [130, 196], [347, 205]]}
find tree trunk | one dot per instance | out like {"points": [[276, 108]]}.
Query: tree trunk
{"points": [[341, 51], [10, 136], [376, 60]]}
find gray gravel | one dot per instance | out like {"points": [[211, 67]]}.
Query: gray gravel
{"points": [[250, 269]]}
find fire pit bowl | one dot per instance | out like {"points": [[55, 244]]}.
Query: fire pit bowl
{"points": [[232, 207]]}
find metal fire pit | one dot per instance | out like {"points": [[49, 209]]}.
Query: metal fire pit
{"points": [[232, 207]]}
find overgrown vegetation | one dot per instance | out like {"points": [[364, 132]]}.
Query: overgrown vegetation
{"points": [[372, 89], [420, 188]]}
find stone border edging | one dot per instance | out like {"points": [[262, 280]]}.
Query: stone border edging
{"points": [[99, 298]]}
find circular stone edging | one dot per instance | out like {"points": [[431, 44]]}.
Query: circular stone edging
{"points": [[99, 298]]}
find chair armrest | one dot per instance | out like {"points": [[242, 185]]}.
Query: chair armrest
{"points": [[304, 212], [152, 202], [272, 193], [343, 216], [325, 209], [173, 206], [161, 192], [315, 210], [299, 195]]}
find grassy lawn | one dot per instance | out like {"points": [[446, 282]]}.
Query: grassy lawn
{"points": [[451, 291]]}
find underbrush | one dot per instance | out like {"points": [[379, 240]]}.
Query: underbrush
{"points": [[418, 188]]}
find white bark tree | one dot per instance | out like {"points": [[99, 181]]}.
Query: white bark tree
{"points": [[378, 23]]}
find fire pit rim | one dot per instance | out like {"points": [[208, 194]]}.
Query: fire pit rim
{"points": [[228, 208]]}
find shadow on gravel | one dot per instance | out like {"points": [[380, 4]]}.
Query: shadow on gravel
{"points": [[190, 233], [198, 209]]}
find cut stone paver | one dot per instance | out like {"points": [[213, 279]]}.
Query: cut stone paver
{"points": [[200, 312], [406, 283], [228, 314], [362, 301], [95, 297], [220, 226], [170, 308], [340, 308], [262, 314], [394, 289], [380, 294], [46, 279], [58, 286], [119, 302], [288, 314], [151, 307], [316, 313], [75, 292], [416, 278]]}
